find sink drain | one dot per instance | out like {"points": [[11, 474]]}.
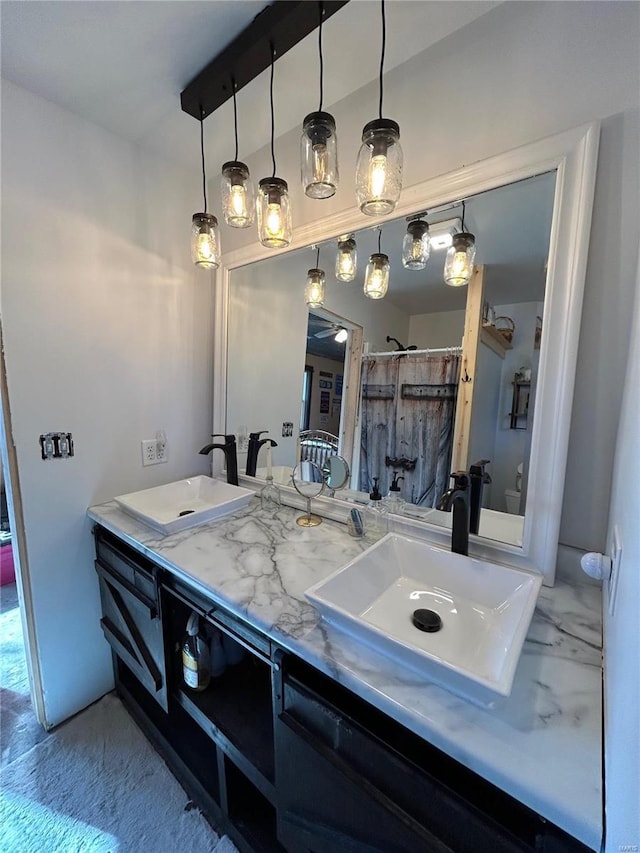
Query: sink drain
{"points": [[426, 620], [185, 512]]}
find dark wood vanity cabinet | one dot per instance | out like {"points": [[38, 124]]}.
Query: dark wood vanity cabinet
{"points": [[131, 620], [281, 757]]}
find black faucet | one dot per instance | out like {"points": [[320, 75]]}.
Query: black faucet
{"points": [[457, 499], [479, 479], [255, 443], [231, 459]]}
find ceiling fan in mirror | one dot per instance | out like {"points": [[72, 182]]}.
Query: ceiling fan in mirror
{"points": [[330, 329]]}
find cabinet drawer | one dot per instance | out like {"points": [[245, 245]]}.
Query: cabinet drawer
{"points": [[134, 570], [132, 626]]}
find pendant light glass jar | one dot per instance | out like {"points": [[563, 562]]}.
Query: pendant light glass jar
{"points": [[273, 206], [346, 258], [416, 246], [319, 144], [314, 291], [205, 241], [238, 201], [274, 213], [379, 167], [205, 236], [379, 164], [458, 266], [376, 277], [319, 155]]}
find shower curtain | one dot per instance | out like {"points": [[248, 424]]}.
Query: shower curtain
{"points": [[408, 415]]}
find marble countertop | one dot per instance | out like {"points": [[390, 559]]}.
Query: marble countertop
{"points": [[542, 745]]}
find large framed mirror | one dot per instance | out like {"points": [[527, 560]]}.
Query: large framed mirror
{"points": [[507, 344]]}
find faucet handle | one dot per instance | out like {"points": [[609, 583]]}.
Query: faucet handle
{"points": [[255, 436], [477, 470], [460, 479]]}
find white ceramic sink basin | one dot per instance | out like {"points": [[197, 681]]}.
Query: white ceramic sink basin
{"points": [[185, 503], [485, 612]]}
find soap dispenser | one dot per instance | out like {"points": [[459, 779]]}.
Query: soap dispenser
{"points": [[393, 501], [196, 669], [377, 520]]}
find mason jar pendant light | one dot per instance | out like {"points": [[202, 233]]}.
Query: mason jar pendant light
{"points": [[458, 266], [346, 258], [376, 277], [205, 237], [314, 291], [274, 209], [379, 164], [238, 202], [416, 246], [319, 144]]}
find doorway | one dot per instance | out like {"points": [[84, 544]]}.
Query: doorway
{"points": [[22, 716]]}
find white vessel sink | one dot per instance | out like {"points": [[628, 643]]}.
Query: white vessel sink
{"points": [[485, 611], [185, 503]]}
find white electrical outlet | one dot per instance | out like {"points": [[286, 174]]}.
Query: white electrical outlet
{"points": [[149, 452]]}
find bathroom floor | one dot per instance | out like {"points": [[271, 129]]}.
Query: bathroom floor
{"points": [[19, 728]]}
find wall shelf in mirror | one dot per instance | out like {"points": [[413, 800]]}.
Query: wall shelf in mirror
{"points": [[560, 172], [495, 340]]}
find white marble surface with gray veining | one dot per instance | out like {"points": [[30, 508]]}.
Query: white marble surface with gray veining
{"points": [[542, 744]]}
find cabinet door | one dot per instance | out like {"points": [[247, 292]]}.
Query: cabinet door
{"points": [[132, 626], [324, 806]]}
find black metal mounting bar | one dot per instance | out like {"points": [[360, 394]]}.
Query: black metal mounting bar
{"points": [[282, 24]]}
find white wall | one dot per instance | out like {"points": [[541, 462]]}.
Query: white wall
{"points": [[482, 435], [267, 325], [621, 639], [439, 329], [512, 446], [510, 62], [108, 333]]}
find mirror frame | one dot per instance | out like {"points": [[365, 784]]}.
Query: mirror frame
{"points": [[573, 154]]}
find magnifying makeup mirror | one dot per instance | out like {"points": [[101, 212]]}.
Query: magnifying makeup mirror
{"points": [[308, 481], [335, 473]]}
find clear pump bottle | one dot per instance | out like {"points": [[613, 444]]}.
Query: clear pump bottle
{"points": [[394, 502], [377, 520]]}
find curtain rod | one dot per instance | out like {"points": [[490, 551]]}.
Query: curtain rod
{"points": [[404, 352]]}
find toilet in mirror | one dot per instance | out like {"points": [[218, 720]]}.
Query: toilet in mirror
{"points": [[431, 378]]}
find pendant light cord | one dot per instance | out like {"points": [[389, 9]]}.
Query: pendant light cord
{"points": [[235, 116], [273, 121], [463, 211], [204, 174], [321, 11], [384, 44], [379, 241], [318, 258]]}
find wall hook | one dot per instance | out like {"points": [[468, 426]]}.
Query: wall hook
{"points": [[466, 377]]}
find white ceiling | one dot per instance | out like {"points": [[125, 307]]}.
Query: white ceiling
{"points": [[123, 63]]}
